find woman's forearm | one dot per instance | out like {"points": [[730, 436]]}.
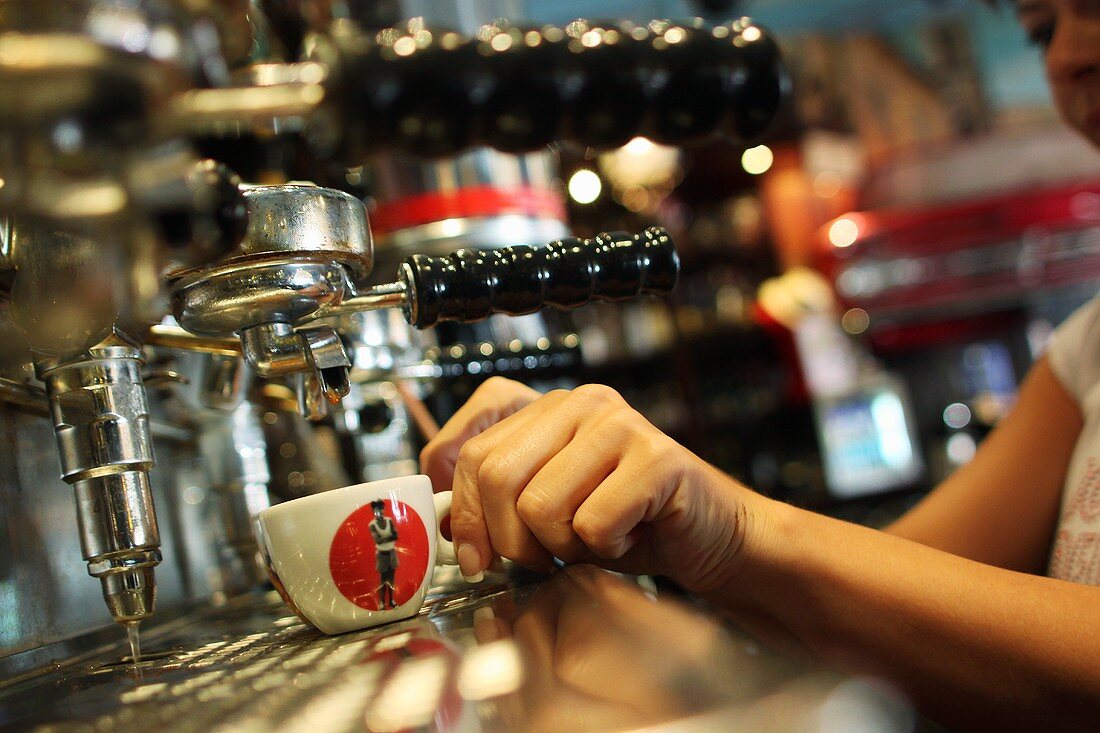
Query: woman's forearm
{"points": [[972, 644], [581, 476]]}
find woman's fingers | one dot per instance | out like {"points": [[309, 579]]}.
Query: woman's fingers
{"points": [[572, 440], [489, 405], [491, 470], [492, 402], [554, 494], [609, 521], [572, 474]]}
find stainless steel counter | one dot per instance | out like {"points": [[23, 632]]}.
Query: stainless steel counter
{"points": [[584, 650]]}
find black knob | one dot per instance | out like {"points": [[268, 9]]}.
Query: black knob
{"points": [[606, 78], [417, 95], [520, 80], [470, 284]]}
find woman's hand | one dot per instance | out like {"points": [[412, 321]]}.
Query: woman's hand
{"points": [[582, 476], [494, 400]]}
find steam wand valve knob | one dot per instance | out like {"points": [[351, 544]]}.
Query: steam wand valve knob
{"points": [[470, 284]]}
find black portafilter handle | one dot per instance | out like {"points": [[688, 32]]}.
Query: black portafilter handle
{"points": [[472, 284], [434, 93]]}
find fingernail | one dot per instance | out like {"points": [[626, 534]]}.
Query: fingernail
{"points": [[469, 563]]}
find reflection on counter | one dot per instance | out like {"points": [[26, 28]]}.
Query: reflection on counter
{"points": [[584, 650]]}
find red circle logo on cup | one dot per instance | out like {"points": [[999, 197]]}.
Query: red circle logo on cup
{"points": [[379, 555]]}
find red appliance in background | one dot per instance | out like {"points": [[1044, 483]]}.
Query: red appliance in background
{"points": [[958, 299]]}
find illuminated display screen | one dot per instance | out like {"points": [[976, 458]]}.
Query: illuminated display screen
{"points": [[867, 442]]}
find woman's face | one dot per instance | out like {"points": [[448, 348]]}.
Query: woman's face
{"points": [[1068, 32]]}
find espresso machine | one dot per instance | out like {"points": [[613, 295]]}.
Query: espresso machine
{"points": [[159, 314]]}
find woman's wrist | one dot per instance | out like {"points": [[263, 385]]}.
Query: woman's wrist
{"points": [[744, 521]]}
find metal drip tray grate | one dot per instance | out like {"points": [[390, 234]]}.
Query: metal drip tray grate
{"points": [[584, 650], [217, 672], [247, 684]]}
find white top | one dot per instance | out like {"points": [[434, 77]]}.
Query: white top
{"points": [[1074, 355], [384, 533]]}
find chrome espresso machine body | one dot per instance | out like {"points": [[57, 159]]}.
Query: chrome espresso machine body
{"points": [[159, 316]]}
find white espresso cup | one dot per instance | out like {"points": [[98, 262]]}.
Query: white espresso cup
{"points": [[359, 556]]}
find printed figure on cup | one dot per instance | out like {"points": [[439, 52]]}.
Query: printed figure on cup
{"points": [[384, 532]]}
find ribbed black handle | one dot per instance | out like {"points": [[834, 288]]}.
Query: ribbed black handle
{"points": [[431, 92], [472, 284]]}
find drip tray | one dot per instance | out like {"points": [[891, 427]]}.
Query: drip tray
{"points": [[581, 651], [248, 666]]}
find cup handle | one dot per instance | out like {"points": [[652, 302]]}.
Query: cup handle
{"points": [[445, 549]]}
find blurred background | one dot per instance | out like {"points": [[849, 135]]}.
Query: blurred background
{"points": [[862, 293]]}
